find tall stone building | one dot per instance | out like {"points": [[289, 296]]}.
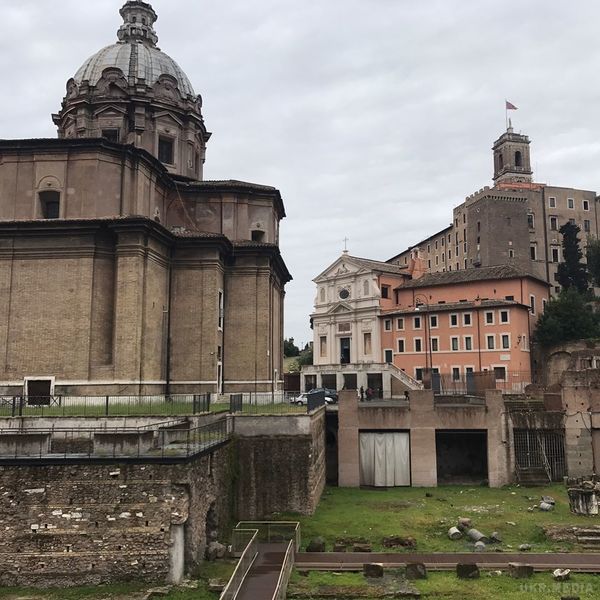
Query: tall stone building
{"points": [[121, 270], [515, 222]]}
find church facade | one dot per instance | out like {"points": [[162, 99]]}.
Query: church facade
{"points": [[122, 271]]}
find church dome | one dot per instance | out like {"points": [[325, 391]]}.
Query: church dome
{"points": [[133, 93], [135, 54], [139, 63]]}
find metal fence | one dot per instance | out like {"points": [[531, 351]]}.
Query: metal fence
{"points": [[266, 403], [541, 449], [271, 532], [476, 383], [107, 406], [169, 439]]}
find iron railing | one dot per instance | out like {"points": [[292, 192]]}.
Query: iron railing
{"points": [[244, 564], [107, 406], [274, 531], [170, 439], [285, 574], [267, 403], [476, 383]]}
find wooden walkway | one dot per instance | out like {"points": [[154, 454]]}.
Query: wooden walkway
{"points": [[353, 561], [261, 581]]}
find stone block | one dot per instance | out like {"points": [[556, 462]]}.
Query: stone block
{"points": [[520, 570], [416, 571], [373, 570], [467, 571]]}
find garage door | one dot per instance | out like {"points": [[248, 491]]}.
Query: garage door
{"points": [[384, 459]]}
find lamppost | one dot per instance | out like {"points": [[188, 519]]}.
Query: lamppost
{"points": [[423, 298]]}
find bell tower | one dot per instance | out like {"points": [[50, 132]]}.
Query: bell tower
{"points": [[512, 161]]}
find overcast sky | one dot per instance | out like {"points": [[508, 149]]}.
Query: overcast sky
{"points": [[373, 117]]}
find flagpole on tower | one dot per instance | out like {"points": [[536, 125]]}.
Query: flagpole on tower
{"points": [[506, 112]]}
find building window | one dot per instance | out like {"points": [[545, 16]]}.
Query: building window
{"points": [[572, 221], [366, 287], [322, 293], [455, 373], [454, 320], [586, 225], [435, 344], [490, 342], [489, 317], [400, 323], [221, 309], [433, 321], [467, 319], [531, 221], [552, 202], [454, 344], [112, 135], [389, 356], [50, 201], [500, 373], [554, 223], [468, 342], [555, 255], [323, 346], [505, 341], [503, 316], [532, 252], [570, 203], [544, 302], [258, 235], [417, 323], [387, 325], [367, 343], [419, 373], [401, 345], [532, 304], [418, 345], [511, 253], [518, 159], [385, 291], [586, 205], [429, 264], [437, 260], [165, 150]]}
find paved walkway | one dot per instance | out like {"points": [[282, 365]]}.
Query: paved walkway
{"points": [[261, 580], [339, 561]]}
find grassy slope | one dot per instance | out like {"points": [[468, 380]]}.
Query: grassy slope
{"points": [[374, 514]]}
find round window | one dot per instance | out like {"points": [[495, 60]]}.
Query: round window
{"points": [[344, 294]]}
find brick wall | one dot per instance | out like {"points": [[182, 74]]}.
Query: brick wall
{"points": [[86, 524]]}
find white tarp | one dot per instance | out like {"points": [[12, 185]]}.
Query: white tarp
{"points": [[384, 459]]}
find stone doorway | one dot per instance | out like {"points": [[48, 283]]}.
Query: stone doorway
{"points": [[461, 457]]}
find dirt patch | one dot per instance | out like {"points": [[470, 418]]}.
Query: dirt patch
{"points": [[560, 533]]}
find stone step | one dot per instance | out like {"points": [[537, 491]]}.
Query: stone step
{"points": [[594, 541], [586, 532]]}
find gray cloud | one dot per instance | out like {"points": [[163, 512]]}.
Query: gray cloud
{"points": [[373, 117]]}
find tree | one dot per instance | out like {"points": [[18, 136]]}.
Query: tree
{"points": [[306, 356], [567, 317], [572, 273], [593, 260], [289, 348]]}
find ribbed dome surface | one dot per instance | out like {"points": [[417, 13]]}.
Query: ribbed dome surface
{"points": [[138, 61]]}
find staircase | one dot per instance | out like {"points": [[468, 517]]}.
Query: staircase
{"points": [[403, 377], [532, 476], [588, 537]]}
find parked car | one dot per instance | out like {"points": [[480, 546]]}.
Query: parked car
{"points": [[302, 399], [330, 393]]}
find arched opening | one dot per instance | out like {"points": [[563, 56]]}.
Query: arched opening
{"points": [[518, 159], [50, 204], [500, 161]]}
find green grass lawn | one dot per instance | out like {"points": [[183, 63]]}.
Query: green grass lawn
{"points": [[374, 514], [446, 586]]}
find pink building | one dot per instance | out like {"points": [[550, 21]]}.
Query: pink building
{"points": [[461, 322]]}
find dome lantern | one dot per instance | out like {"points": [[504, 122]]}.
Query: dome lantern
{"points": [[138, 19]]}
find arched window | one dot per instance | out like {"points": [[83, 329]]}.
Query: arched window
{"points": [[50, 204], [322, 294], [518, 159], [500, 161], [366, 287]]}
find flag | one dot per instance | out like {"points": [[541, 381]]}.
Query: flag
{"points": [[510, 106]]}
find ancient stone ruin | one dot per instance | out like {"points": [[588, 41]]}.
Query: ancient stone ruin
{"points": [[584, 495]]}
